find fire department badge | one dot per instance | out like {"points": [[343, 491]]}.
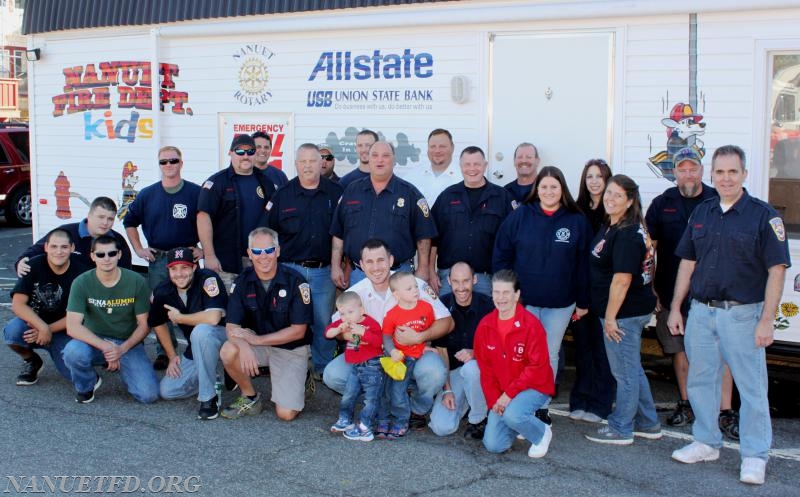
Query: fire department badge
{"points": [[401, 202], [260, 192], [514, 204], [210, 286], [423, 206], [281, 293], [777, 226], [305, 293]]}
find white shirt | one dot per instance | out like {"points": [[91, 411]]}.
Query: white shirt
{"points": [[431, 185]]}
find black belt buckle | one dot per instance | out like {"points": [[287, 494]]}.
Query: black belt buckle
{"points": [[721, 304], [312, 264]]}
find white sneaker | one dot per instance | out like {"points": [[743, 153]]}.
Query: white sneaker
{"points": [[591, 417], [577, 414], [696, 452], [539, 450], [752, 470]]}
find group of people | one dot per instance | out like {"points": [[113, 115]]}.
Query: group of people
{"points": [[515, 267]]}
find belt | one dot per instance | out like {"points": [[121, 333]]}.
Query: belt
{"points": [[720, 304], [311, 264]]}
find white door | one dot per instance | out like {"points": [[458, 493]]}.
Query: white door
{"points": [[555, 91]]}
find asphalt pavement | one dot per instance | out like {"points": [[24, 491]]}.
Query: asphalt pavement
{"points": [[51, 442]]}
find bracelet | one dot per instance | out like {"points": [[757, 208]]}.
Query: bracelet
{"points": [[446, 392]]}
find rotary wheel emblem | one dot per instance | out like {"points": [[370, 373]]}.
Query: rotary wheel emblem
{"points": [[253, 76]]}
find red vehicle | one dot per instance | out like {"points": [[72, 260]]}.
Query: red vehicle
{"points": [[15, 174]]}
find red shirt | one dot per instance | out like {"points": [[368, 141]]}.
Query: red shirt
{"points": [[370, 346], [420, 318]]}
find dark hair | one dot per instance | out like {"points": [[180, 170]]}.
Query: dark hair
{"points": [[730, 150], [440, 131], [463, 263], [261, 134], [375, 243], [584, 197], [104, 202], [472, 149], [58, 232], [634, 213], [526, 144], [566, 197], [105, 240], [506, 276], [368, 132]]}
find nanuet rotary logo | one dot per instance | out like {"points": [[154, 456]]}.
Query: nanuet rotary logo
{"points": [[253, 75]]}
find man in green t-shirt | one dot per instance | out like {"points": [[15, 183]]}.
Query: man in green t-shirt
{"points": [[107, 318]]}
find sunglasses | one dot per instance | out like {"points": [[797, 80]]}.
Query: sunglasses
{"points": [[240, 151], [267, 250], [327, 157], [110, 253], [164, 162]]}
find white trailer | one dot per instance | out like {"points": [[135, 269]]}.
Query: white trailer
{"points": [[580, 79]]}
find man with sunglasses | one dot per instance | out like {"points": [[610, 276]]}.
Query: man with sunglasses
{"points": [[263, 151], [107, 321], [269, 313], [328, 163], [301, 214], [231, 204], [167, 214]]}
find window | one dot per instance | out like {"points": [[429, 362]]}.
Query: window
{"points": [[784, 138]]}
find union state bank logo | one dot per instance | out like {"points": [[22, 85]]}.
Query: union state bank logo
{"points": [[253, 74]]}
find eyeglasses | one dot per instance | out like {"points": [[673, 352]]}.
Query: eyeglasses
{"points": [[266, 250], [240, 151], [110, 253], [164, 162], [327, 157]]}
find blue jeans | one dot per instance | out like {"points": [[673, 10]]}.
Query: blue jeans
{"points": [[715, 337], [395, 409], [323, 294], [357, 275], [484, 284], [367, 377], [555, 322], [12, 334], [465, 382], [634, 402], [429, 376], [136, 370], [519, 418], [594, 386], [198, 374]]}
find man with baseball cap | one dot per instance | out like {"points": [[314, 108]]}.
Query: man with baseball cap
{"points": [[194, 299], [231, 204]]}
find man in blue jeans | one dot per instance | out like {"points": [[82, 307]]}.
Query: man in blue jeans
{"points": [[39, 300], [734, 258], [107, 320]]}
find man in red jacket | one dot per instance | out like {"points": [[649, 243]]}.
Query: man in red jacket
{"points": [[516, 377]]}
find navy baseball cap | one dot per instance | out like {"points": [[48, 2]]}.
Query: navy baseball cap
{"points": [[240, 140]]}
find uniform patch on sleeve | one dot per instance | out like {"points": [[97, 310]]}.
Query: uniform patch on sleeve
{"points": [[427, 289], [514, 204], [210, 286], [305, 293], [208, 184], [777, 226], [423, 206]]}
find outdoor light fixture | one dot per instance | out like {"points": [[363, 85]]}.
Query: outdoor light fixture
{"points": [[34, 54]]}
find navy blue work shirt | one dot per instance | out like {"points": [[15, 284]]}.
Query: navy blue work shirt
{"points": [[277, 176], [734, 250], [466, 322], [287, 302], [519, 192], [467, 235], [302, 218], [399, 215]]}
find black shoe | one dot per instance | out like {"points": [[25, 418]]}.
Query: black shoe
{"points": [[85, 398], [729, 423], [683, 414], [161, 362], [417, 421], [209, 409], [475, 431], [544, 416], [230, 384], [30, 371]]}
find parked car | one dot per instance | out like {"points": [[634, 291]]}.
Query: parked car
{"points": [[15, 174]]}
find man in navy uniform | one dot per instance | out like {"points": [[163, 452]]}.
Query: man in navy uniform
{"points": [[526, 162], [263, 150]]}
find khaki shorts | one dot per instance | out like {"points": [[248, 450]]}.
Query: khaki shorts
{"points": [[671, 344], [287, 372], [228, 278]]}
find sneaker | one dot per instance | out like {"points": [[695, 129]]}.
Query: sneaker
{"points": [[577, 414], [243, 406], [728, 423], [544, 416], [161, 362], [342, 425], [397, 432], [539, 450], [682, 415], [591, 417], [382, 431], [30, 371], [85, 398], [360, 433], [605, 435], [209, 409], [696, 452], [417, 421], [752, 471], [653, 433], [475, 431]]}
